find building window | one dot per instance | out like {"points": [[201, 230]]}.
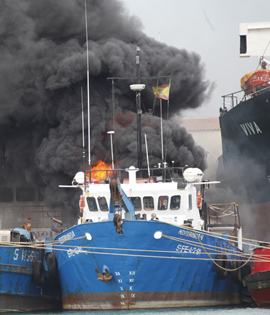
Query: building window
{"points": [[148, 203], [40, 194], [175, 202], [243, 44], [137, 203], [103, 204], [25, 194], [163, 202], [6, 194]]}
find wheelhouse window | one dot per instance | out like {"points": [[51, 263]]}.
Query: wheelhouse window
{"points": [[137, 203], [148, 203], [175, 202], [189, 202], [103, 204], [91, 202], [163, 202]]}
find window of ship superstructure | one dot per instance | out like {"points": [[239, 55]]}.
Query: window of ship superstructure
{"points": [[189, 202], [163, 202], [175, 202], [15, 236], [137, 203], [91, 202], [148, 203], [103, 204]]}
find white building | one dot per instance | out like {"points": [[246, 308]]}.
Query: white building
{"points": [[206, 133]]}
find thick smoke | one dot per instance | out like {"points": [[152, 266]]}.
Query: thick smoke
{"points": [[43, 69]]}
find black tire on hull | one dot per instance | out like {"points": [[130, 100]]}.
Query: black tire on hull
{"points": [[38, 273], [221, 266], [235, 274], [52, 269]]}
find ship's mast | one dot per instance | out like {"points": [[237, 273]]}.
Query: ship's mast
{"points": [[139, 110], [88, 95], [138, 87]]}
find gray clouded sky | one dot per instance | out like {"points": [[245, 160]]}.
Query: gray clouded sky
{"points": [[209, 28]]}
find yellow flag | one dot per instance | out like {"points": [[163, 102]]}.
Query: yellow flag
{"points": [[162, 91]]}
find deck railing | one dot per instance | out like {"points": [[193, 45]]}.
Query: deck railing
{"points": [[233, 99]]}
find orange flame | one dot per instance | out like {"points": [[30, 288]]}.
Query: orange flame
{"points": [[101, 174]]}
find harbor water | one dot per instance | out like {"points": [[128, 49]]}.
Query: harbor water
{"points": [[190, 311]]}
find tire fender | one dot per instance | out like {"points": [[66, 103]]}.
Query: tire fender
{"points": [[221, 263]]}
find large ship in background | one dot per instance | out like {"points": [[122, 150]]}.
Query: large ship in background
{"points": [[245, 130]]}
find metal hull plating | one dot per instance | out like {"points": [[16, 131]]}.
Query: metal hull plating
{"points": [[147, 300], [245, 136], [148, 271], [18, 293], [258, 282]]}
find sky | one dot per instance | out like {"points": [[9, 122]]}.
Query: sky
{"points": [[211, 29]]}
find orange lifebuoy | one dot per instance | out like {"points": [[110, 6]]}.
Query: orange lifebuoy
{"points": [[199, 200], [82, 203]]}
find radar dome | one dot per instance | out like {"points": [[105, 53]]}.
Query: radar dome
{"points": [[79, 178], [193, 175]]}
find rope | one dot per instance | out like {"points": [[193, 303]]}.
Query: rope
{"points": [[83, 249], [217, 250], [223, 268], [246, 241], [59, 245], [209, 256], [189, 242], [266, 48]]}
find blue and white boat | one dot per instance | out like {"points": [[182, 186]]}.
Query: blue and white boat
{"points": [[27, 274], [143, 244]]}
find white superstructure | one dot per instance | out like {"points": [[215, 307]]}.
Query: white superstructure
{"points": [[152, 200]]}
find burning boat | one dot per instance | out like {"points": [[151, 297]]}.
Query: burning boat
{"points": [[142, 241], [145, 246]]}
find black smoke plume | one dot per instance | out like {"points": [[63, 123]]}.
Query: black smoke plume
{"points": [[43, 68]]}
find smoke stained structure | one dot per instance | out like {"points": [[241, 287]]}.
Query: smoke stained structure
{"points": [[43, 67]]}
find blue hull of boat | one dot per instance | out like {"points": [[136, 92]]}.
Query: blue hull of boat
{"points": [[18, 292], [173, 271]]}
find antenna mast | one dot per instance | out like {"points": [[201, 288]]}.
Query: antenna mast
{"points": [[83, 141], [139, 110], [88, 92], [147, 157]]}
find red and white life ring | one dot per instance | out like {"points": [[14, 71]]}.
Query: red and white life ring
{"points": [[82, 203], [199, 200]]}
